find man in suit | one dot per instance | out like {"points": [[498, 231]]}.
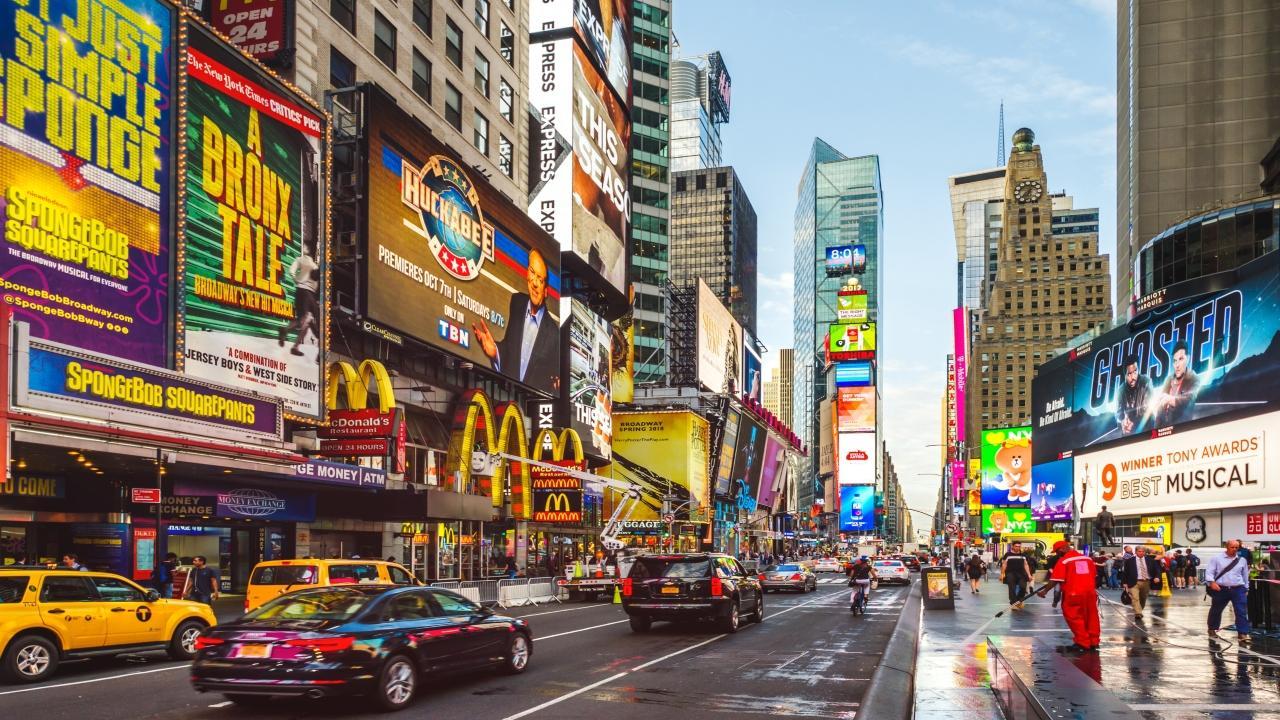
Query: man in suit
{"points": [[528, 350], [1141, 573]]}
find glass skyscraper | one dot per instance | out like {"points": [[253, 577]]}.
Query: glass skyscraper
{"points": [[839, 202]]}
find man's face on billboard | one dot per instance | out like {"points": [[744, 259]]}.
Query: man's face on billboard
{"points": [[1131, 374], [1179, 363], [537, 279]]}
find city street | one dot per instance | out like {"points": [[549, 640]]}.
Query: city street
{"points": [[810, 658]]}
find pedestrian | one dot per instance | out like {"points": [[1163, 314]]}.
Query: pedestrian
{"points": [[1049, 565], [163, 576], [1193, 569], [1141, 574], [976, 569], [71, 562], [1100, 569], [1179, 570], [1127, 552], [392, 559], [1245, 552], [202, 582], [1114, 564], [1104, 522], [1228, 582], [1015, 573], [511, 569], [1074, 573]]}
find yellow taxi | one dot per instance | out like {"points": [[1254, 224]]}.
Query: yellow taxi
{"points": [[273, 578], [47, 616]]}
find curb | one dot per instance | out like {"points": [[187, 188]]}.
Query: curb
{"points": [[892, 687]]}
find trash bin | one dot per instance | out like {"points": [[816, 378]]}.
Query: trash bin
{"points": [[939, 593]]}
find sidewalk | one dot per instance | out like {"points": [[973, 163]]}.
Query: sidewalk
{"points": [[1155, 678]]}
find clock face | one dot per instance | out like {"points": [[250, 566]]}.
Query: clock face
{"points": [[1027, 191]]}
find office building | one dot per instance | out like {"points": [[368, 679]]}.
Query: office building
{"points": [[700, 92], [976, 199], [713, 239], [777, 389], [1198, 107]]}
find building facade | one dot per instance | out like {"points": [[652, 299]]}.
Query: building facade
{"points": [[976, 199], [699, 106], [713, 238], [777, 389], [1198, 101]]}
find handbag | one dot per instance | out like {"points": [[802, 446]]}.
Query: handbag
{"points": [[1224, 571], [1125, 597]]}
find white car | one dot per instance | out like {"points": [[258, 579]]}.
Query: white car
{"points": [[827, 565], [891, 571]]}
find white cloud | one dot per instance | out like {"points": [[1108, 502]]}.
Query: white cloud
{"points": [[782, 282]]}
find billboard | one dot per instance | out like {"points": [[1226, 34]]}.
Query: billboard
{"points": [[1217, 466], [719, 342], [752, 369], [856, 458], [839, 260], [590, 394], [1186, 360], [622, 352], [856, 409], [1006, 466], [851, 341], [728, 449], [775, 456], [859, 259], [851, 306], [557, 496], [857, 508], [1051, 490], [959, 325], [578, 165], [749, 459], [826, 438], [257, 27], [661, 452], [603, 28], [255, 259], [1004, 520], [719, 87], [451, 261], [88, 213], [853, 374]]}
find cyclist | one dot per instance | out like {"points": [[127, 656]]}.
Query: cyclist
{"points": [[860, 576]]}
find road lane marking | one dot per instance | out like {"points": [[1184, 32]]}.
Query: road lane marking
{"points": [[224, 703], [95, 680], [678, 652], [553, 612], [562, 698], [570, 632]]}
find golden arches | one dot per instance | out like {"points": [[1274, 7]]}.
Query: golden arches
{"points": [[513, 426], [568, 438], [357, 382]]}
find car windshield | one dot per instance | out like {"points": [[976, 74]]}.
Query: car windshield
{"points": [[312, 605], [12, 588], [652, 567]]}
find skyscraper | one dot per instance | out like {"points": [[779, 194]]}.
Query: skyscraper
{"points": [[700, 93], [1198, 107], [713, 239], [976, 199]]}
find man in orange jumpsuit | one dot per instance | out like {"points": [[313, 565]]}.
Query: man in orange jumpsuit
{"points": [[1079, 597]]}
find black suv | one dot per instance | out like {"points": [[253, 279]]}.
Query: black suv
{"points": [[691, 586]]}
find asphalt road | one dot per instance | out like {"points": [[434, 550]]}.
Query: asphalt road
{"points": [[810, 658]]}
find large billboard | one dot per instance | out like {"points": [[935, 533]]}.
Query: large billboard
{"points": [[87, 171], [660, 453], [853, 374], [1006, 466], [775, 456], [255, 258], [856, 458], [578, 164], [856, 409], [752, 369], [851, 341], [747, 464], [622, 353], [261, 28], [719, 87], [1216, 466], [857, 508], [727, 451], [839, 260], [1051, 490], [1186, 360], [590, 403], [451, 261], [959, 318], [1005, 520], [603, 27], [719, 342], [851, 306]]}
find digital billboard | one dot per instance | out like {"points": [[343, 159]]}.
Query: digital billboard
{"points": [[557, 496], [1006, 466], [859, 259], [255, 260], [719, 87], [856, 409], [622, 353], [851, 306], [857, 508], [752, 369], [1004, 520], [661, 452], [603, 27], [719, 343], [855, 373], [851, 341], [1185, 360], [87, 168], [451, 261], [1051, 490], [578, 164], [590, 398], [839, 260], [727, 451], [257, 27], [775, 455], [749, 459], [856, 458]]}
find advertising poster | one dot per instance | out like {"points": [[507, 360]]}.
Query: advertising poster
{"points": [[720, 87], [848, 341], [1218, 466], [752, 369], [856, 409], [960, 337], [859, 259], [851, 307], [857, 508], [590, 403], [622, 355], [856, 458], [719, 342], [258, 27], [826, 437], [661, 452], [839, 260], [1006, 466], [1186, 360], [88, 214], [728, 449], [1007, 520], [775, 456], [255, 291], [557, 496], [452, 262], [853, 374], [603, 27], [749, 460], [1051, 485]]}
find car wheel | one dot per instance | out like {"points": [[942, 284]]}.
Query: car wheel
{"points": [[640, 623], [182, 646], [248, 700], [30, 658], [397, 683], [519, 650], [758, 617], [730, 621]]}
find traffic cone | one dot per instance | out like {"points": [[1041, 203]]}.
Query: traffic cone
{"points": [[617, 595], [1164, 588]]}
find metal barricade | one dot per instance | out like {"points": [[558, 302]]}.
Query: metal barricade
{"points": [[543, 590], [479, 591], [446, 584], [513, 592]]}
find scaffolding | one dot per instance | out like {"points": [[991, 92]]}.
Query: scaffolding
{"points": [[681, 335]]}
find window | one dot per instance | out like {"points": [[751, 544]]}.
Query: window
{"points": [[482, 74], [506, 151], [409, 606], [13, 588], [422, 15], [344, 12], [451, 604], [350, 574], [342, 72], [506, 43], [482, 16], [116, 590], [700, 182], [399, 576], [453, 105], [421, 76], [480, 133], [506, 101], [65, 588], [453, 43], [384, 40], [285, 575]]}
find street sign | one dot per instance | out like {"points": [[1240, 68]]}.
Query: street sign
{"points": [[146, 496], [668, 518], [952, 528]]}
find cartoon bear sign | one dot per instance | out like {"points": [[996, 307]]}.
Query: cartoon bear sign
{"points": [[1014, 460]]}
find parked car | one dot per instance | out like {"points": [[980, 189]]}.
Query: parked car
{"points": [[791, 576], [375, 640], [827, 564], [891, 571], [691, 586], [276, 577]]}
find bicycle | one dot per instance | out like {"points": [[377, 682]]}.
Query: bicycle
{"points": [[859, 604]]}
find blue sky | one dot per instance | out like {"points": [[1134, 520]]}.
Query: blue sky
{"points": [[919, 84]]}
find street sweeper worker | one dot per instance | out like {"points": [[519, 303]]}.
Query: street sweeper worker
{"points": [[1075, 572]]}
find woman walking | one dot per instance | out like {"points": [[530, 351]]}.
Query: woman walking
{"points": [[976, 569]]}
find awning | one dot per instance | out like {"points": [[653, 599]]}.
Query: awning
{"points": [[407, 505]]}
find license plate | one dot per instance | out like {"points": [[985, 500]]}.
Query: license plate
{"points": [[254, 651], [670, 591]]}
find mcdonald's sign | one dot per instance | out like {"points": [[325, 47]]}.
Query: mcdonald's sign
{"points": [[358, 430], [557, 496]]}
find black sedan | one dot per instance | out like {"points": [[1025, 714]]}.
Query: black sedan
{"points": [[373, 640]]}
